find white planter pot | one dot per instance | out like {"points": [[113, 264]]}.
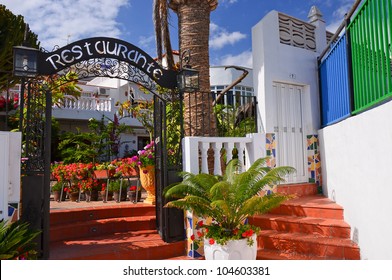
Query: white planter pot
{"points": [[233, 250]]}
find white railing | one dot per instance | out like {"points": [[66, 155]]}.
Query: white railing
{"points": [[88, 103], [195, 151]]}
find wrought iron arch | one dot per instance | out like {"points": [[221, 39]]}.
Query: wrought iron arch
{"points": [[88, 58], [107, 57]]}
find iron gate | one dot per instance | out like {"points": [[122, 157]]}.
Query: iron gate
{"points": [[170, 221]]}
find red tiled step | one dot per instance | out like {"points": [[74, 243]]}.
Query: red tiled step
{"points": [[100, 227], [301, 189], [134, 245], [310, 225], [68, 216], [310, 206], [308, 244], [265, 254]]}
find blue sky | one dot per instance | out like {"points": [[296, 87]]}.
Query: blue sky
{"points": [[60, 21]]}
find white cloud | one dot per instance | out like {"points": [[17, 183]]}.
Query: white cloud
{"points": [[243, 59], [339, 13], [229, 1], [220, 37], [147, 42], [57, 22]]}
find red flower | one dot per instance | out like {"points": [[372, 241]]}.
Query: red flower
{"points": [[193, 237], [212, 241], [200, 223], [247, 233], [235, 231], [132, 188], [199, 234]]}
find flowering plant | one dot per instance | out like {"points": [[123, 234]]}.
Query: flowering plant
{"points": [[216, 233], [228, 200], [145, 157], [126, 166], [133, 188], [88, 184], [11, 102]]}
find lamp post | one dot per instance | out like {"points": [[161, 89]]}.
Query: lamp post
{"points": [[36, 192]]}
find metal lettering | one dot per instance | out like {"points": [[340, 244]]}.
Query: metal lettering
{"points": [[57, 61], [64, 56], [114, 51], [77, 50], [100, 51], [141, 57]]}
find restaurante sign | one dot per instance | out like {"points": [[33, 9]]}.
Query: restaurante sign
{"points": [[102, 47]]}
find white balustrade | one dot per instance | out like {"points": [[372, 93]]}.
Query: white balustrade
{"points": [[88, 103], [195, 151]]}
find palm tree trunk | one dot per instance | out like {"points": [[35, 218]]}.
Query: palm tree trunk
{"points": [[194, 32]]}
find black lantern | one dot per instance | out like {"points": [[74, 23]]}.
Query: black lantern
{"points": [[188, 78], [25, 61]]}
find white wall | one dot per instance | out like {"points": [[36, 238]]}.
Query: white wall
{"points": [[357, 173], [219, 76], [10, 157], [276, 62]]}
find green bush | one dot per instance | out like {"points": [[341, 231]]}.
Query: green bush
{"points": [[17, 241]]}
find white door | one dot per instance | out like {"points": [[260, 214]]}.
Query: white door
{"points": [[289, 131]]}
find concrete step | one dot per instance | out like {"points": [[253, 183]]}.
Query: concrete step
{"points": [[316, 206], [266, 254], [131, 245], [300, 189], [309, 225], [309, 245], [83, 214], [99, 227]]}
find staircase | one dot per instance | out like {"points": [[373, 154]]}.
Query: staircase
{"points": [[118, 232], [309, 227]]}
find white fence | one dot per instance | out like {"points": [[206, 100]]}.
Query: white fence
{"points": [[195, 151], [88, 103]]}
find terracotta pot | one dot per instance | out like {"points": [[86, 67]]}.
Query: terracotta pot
{"points": [[103, 196], [132, 196], [117, 194], [147, 179], [101, 174], [74, 196], [91, 195], [56, 195]]}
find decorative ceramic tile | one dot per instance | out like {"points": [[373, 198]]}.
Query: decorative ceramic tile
{"points": [[194, 249], [314, 163], [271, 149]]}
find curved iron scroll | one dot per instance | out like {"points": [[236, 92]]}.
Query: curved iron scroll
{"points": [[101, 56]]}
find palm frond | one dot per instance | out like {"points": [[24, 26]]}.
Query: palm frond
{"points": [[233, 168], [220, 190], [199, 205]]}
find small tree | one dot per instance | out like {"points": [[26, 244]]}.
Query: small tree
{"points": [[13, 30]]}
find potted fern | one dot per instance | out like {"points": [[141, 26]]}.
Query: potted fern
{"points": [[228, 201]]}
